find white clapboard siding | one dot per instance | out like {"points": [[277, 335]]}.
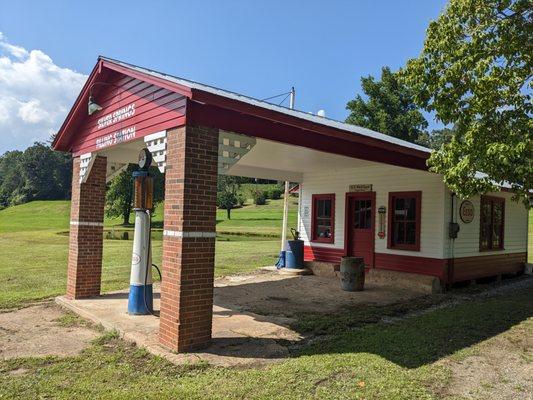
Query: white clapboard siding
{"points": [[467, 242], [384, 179]]}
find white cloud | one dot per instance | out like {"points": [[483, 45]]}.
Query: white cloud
{"points": [[35, 95]]}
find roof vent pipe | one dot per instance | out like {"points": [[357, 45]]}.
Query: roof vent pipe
{"points": [[321, 113]]}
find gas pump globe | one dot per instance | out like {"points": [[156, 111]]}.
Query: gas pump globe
{"points": [[140, 301]]}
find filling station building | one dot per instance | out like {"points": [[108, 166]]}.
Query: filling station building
{"points": [[361, 192]]}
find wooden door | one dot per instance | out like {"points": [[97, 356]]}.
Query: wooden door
{"points": [[361, 226]]}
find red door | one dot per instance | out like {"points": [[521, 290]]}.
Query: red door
{"points": [[361, 226]]}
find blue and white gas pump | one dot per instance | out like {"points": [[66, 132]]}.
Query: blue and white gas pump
{"points": [[140, 301]]}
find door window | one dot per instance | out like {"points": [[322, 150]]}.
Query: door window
{"points": [[362, 216]]}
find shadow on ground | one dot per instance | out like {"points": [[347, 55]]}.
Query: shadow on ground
{"points": [[355, 328]]}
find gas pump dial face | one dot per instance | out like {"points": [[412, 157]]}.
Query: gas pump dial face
{"points": [[145, 159]]}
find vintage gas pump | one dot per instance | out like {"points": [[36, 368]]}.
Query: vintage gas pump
{"points": [[140, 301]]}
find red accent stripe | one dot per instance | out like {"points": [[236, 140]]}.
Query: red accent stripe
{"points": [[465, 268], [416, 265], [325, 254]]}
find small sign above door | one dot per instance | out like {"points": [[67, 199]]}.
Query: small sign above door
{"points": [[360, 188]]}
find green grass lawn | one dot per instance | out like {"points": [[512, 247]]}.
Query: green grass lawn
{"points": [[33, 253]]}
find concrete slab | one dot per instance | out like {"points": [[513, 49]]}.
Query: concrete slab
{"points": [[252, 315], [238, 338]]}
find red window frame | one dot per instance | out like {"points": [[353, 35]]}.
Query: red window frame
{"points": [[417, 195], [491, 200], [315, 198]]}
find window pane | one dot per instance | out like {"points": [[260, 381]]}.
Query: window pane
{"points": [[497, 210], [399, 233], [411, 208], [368, 215], [485, 229], [486, 212], [323, 231], [399, 209], [323, 208], [492, 220], [362, 212], [404, 220], [410, 233], [320, 208], [323, 221], [496, 236]]}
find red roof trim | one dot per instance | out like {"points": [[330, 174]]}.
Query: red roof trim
{"points": [[275, 116]]}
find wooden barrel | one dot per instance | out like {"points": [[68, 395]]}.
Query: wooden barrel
{"points": [[352, 274]]}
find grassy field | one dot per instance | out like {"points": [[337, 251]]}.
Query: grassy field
{"points": [[34, 245]]}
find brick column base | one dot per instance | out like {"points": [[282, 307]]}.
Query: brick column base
{"points": [[189, 238], [86, 231]]}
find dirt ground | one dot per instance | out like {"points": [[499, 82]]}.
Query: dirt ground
{"points": [[268, 293], [42, 330], [501, 368]]}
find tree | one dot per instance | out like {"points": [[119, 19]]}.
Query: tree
{"points": [[436, 138], [119, 193], [227, 193], [11, 180], [389, 108], [475, 72], [38, 173], [46, 173]]}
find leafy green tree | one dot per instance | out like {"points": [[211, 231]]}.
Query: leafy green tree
{"points": [[228, 193], [436, 138], [11, 180], [42, 171], [388, 108], [119, 194], [38, 173], [475, 72]]}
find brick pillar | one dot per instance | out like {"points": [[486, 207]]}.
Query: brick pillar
{"points": [[189, 238], [86, 231]]}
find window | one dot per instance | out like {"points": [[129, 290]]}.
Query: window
{"points": [[492, 223], [362, 214], [323, 223], [404, 220]]}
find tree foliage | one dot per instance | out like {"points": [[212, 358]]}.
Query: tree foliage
{"points": [[475, 72], [119, 193], [38, 173], [436, 138], [389, 108], [228, 196]]}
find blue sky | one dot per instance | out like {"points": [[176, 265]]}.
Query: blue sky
{"points": [[258, 48]]}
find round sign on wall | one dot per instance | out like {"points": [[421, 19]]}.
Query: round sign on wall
{"points": [[466, 211]]}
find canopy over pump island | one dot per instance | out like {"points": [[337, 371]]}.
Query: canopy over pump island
{"points": [[361, 193]]}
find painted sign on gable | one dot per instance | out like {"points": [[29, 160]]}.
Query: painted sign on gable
{"points": [[131, 109]]}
